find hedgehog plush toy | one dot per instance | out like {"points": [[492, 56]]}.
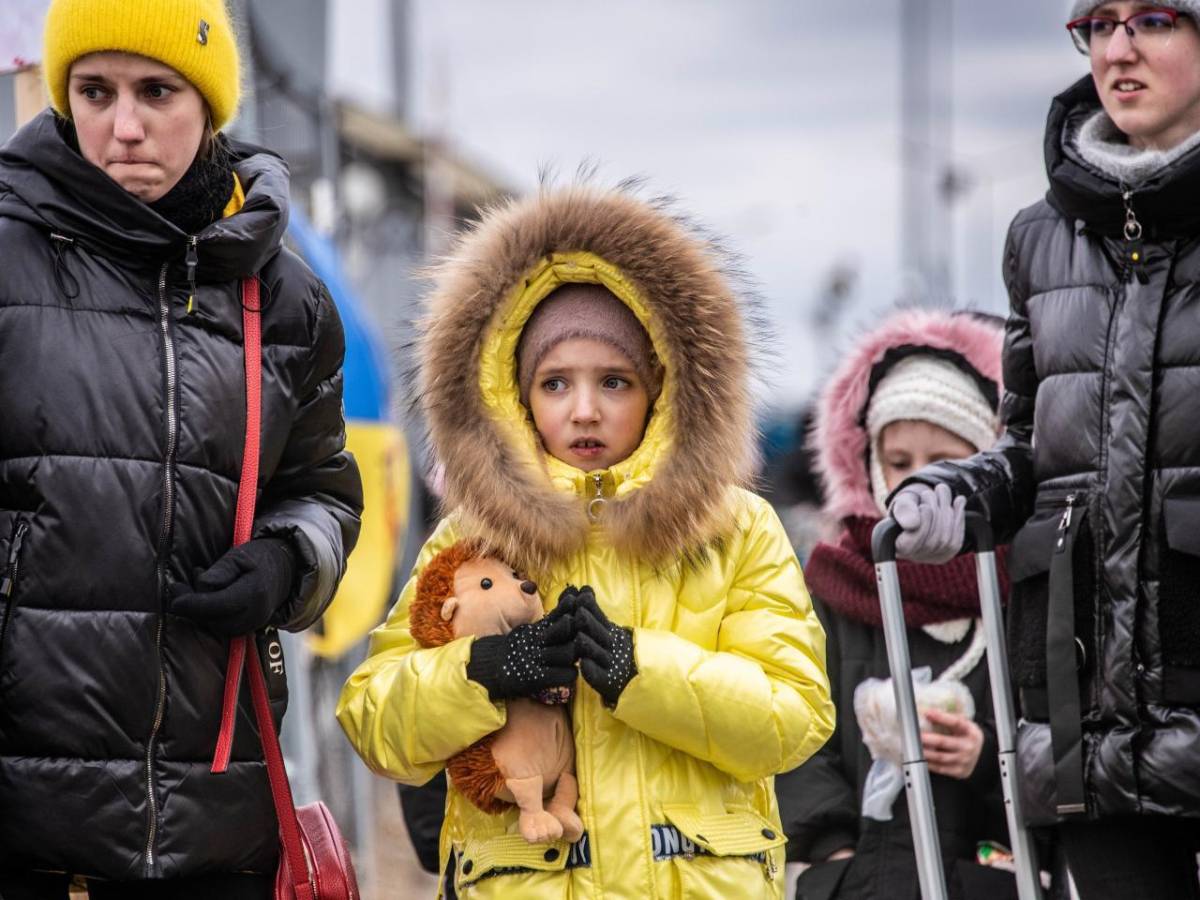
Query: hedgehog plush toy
{"points": [[530, 762]]}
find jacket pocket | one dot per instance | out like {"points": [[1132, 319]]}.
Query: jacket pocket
{"points": [[509, 854], [1179, 601], [1032, 552], [717, 852], [9, 576]]}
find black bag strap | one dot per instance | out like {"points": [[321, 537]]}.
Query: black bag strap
{"points": [[1062, 675]]}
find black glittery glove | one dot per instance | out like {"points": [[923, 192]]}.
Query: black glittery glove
{"points": [[604, 650], [529, 659]]}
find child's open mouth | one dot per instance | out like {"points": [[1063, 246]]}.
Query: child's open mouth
{"points": [[587, 448]]}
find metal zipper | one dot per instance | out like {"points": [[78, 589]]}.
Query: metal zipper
{"points": [[1064, 524], [1135, 262], [1099, 538], [191, 260], [770, 868], [164, 535], [14, 557], [596, 504], [9, 581]]}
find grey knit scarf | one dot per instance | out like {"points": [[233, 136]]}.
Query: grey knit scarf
{"points": [[1102, 145]]}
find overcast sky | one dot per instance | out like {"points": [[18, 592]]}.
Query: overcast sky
{"points": [[775, 121]]}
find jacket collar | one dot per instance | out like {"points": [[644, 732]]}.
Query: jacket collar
{"points": [[1080, 191], [46, 182]]}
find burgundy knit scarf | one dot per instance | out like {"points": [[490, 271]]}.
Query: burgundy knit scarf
{"points": [[842, 575]]}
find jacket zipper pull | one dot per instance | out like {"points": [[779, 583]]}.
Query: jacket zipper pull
{"points": [[1135, 263], [1064, 524], [14, 553], [770, 870], [595, 504], [67, 283], [191, 259]]}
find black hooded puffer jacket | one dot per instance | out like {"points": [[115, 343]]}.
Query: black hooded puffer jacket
{"points": [[121, 433], [1097, 484]]}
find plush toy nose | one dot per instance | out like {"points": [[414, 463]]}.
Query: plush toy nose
{"points": [[528, 587]]}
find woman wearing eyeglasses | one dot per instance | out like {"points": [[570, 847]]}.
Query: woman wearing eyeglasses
{"points": [[1096, 480]]}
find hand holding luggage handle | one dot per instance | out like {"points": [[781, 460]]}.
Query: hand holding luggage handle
{"points": [[916, 769]]}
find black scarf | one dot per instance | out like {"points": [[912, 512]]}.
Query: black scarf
{"points": [[200, 196]]}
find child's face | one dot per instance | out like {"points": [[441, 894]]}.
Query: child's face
{"points": [[588, 403], [912, 444]]}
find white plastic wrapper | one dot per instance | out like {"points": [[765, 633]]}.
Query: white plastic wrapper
{"points": [[875, 709]]}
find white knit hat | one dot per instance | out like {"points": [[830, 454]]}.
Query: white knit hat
{"points": [[1080, 8], [928, 389]]}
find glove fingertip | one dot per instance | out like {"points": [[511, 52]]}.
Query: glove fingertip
{"points": [[182, 604], [592, 673], [561, 630]]}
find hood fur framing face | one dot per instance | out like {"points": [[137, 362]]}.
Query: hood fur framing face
{"points": [[496, 483], [840, 437]]}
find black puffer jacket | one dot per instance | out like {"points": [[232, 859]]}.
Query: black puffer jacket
{"points": [[1102, 369], [121, 430]]}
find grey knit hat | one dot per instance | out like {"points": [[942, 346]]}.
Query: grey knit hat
{"points": [[1080, 8], [586, 311]]}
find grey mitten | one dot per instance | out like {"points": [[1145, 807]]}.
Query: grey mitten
{"points": [[934, 523]]}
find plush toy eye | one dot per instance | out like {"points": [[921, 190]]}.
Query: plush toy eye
{"points": [[486, 584], [517, 576]]}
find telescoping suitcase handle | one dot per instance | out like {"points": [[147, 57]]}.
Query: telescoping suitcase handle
{"points": [[916, 769]]}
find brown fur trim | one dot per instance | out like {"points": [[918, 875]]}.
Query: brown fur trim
{"points": [[434, 585], [474, 774], [684, 277]]}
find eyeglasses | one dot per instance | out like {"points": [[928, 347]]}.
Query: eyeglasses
{"points": [[1150, 27]]}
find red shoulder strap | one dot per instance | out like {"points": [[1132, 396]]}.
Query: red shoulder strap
{"points": [[243, 522], [243, 654]]}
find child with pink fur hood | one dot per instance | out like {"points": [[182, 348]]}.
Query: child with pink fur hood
{"points": [[921, 387]]}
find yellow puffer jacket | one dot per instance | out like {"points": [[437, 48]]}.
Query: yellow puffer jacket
{"points": [[676, 788]]}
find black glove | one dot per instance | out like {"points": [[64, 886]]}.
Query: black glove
{"points": [[604, 650], [529, 659], [242, 590]]}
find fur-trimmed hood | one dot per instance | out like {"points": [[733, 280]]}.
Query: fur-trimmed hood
{"points": [[972, 341], [672, 495]]}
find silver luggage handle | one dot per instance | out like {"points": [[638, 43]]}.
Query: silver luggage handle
{"points": [[916, 770], [1029, 885]]}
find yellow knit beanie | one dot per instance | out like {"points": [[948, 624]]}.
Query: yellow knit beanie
{"points": [[193, 37]]}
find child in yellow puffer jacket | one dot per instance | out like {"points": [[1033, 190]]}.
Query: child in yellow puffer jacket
{"points": [[584, 368]]}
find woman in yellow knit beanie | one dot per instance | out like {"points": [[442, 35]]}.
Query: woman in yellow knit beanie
{"points": [[92, 46], [128, 223]]}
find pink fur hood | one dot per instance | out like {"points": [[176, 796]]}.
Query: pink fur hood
{"points": [[841, 439]]}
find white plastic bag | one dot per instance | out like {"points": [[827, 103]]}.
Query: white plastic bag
{"points": [[875, 709]]}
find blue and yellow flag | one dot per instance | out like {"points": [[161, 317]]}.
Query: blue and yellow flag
{"points": [[378, 445]]}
